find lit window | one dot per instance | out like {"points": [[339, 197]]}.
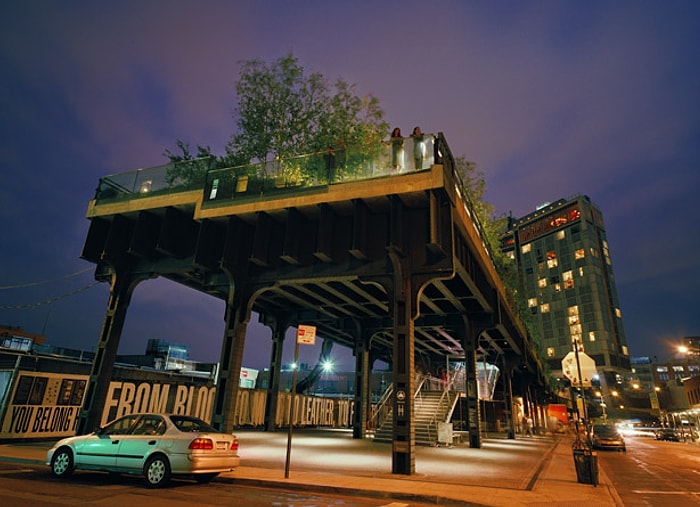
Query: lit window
{"points": [[542, 282], [591, 336], [580, 271], [557, 287], [577, 338], [575, 330], [677, 368], [511, 255], [561, 234], [526, 248], [550, 352], [573, 319], [544, 308], [579, 254], [567, 275], [569, 284], [532, 302], [618, 313], [573, 310], [552, 263], [662, 368]]}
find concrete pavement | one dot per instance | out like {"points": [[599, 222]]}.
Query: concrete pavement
{"points": [[527, 471]]}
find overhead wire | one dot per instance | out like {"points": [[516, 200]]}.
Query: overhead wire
{"points": [[50, 300], [43, 282]]}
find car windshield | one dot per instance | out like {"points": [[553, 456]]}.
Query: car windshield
{"points": [[605, 431], [190, 424]]}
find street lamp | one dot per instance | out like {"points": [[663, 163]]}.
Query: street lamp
{"points": [[603, 406], [327, 366]]}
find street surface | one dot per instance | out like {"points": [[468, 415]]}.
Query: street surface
{"points": [[654, 473], [33, 486]]}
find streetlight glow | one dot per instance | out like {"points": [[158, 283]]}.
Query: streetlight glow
{"points": [[327, 366]]}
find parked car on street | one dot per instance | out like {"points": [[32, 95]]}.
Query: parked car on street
{"points": [[606, 436], [153, 445], [668, 434]]}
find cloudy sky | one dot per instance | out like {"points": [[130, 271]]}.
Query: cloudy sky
{"points": [[550, 99]]}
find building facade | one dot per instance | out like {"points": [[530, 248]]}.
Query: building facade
{"points": [[563, 260]]}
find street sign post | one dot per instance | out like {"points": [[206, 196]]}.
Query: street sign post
{"points": [[306, 335]]}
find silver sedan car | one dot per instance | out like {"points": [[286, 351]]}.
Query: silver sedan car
{"points": [[153, 445]]}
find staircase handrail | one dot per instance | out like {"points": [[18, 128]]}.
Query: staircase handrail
{"points": [[377, 409]]}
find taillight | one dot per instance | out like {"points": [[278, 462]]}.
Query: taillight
{"points": [[201, 443], [234, 444]]}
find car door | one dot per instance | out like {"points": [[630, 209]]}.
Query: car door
{"points": [[139, 443], [100, 449]]}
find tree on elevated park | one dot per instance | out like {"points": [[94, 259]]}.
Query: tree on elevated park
{"points": [[283, 111]]}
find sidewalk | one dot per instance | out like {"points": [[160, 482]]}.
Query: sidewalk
{"points": [[533, 471]]}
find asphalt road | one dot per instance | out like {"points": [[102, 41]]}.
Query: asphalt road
{"points": [[33, 485], [654, 473]]}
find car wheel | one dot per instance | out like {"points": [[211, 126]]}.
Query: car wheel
{"points": [[157, 471], [204, 478], [62, 462]]}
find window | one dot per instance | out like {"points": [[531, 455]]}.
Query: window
{"points": [[580, 271], [606, 252], [557, 287], [677, 368], [542, 282], [662, 368], [550, 351], [618, 313], [561, 234], [579, 254], [591, 336], [526, 248], [575, 330], [544, 308], [573, 319], [569, 284], [567, 275], [552, 261], [573, 310], [532, 302]]}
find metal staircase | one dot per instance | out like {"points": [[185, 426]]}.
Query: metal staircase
{"points": [[430, 409]]}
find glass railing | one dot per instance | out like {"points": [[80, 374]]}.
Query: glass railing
{"points": [[315, 171], [165, 179], [273, 177]]}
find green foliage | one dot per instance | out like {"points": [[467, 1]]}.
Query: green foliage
{"points": [[186, 169], [284, 112], [494, 227]]}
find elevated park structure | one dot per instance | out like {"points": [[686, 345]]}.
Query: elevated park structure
{"points": [[389, 261]]}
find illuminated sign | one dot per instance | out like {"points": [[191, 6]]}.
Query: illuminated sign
{"points": [[549, 223]]}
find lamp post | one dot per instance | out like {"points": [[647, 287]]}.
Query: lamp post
{"points": [[603, 406]]}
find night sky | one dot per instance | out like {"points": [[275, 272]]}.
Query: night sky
{"points": [[550, 98]]}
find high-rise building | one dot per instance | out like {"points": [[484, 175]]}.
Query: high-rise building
{"points": [[563, 260]]}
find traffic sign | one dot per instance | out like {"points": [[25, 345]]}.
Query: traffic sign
{"points": [[306, 335], [570, 369]]}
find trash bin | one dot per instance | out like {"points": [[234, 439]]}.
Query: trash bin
{"points": [[586, 462]]}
